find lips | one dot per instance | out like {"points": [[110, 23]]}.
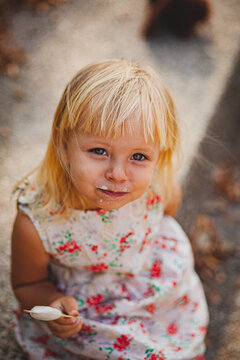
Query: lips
{"points": [[113, 193]]}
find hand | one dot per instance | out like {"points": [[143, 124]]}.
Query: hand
{"points": [[65, 327]]}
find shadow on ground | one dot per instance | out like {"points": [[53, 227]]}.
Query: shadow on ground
{"points": [[221, 280]]}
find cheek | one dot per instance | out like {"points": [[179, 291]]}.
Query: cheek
{"points": [[143, 177], [85, 173]]}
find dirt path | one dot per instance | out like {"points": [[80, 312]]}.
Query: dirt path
{"points": [[57, 44], [218, 264]]}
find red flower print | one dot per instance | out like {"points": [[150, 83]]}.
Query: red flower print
{"points": [[86, 328], [203, 329], [17, 313], [129, 274], [124, 238], [184, 300], [123, 242], [143, 328], [97, 267], [154, 357], [103, 309], [174, 247], [150, 308], [145, 239], [167, 241], [41, 339], [122, 342], [172, 329], [150, 291], [94, 300], [49, 353], [153, 199], [178, 348], [70, 247], [156, 269], [195, 306], [200, 357], [123, 288], [174, 283], [94, 248], [102, 211], [115, 319]]}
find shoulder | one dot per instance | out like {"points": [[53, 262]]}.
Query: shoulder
{"points": [[24, 232], [34, 201], [27, 193], [172, 204], [27, 248]]}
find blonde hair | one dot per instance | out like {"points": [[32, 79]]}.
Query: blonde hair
{"points": [[99, 100]]}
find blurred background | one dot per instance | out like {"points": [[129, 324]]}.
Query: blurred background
{"points": [[44, 43]]}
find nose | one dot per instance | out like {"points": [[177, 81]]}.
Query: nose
{"points": [[116, 171]]}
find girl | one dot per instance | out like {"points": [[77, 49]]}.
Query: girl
{"points": [[90, 237]]}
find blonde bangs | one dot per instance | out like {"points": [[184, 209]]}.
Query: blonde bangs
{"points": [[102, 102]]}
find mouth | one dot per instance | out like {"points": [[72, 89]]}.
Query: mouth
{"points": [[115, 194]]}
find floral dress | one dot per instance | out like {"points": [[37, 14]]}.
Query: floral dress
{"points": [[131, 272]]}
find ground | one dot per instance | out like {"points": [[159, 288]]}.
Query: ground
{"points": [[203, 74]]}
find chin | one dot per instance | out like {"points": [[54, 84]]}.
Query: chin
{"points": [[112, 205]]}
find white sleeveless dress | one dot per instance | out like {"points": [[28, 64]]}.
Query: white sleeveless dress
{"points": [[131, 272]]}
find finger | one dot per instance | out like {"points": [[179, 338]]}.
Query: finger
{"points": [[70, 306], [71, 332], [63, 327], [67, 321], [63, 331]]}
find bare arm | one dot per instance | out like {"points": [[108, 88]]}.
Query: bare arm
{"points": [[173, 203], [29, 268], [29, 277]]}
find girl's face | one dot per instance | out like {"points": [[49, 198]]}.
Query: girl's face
{"points": [[110, 173]]}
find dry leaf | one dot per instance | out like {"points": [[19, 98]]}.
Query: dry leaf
{"points": [[42, 7], [5, 131], [226, 179], [204, 235], [211, 262], [214, 298], [237, 283], [20, 94], [12, 70], [221, 277]]}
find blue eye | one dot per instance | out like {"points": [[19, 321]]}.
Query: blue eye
{"points": [[138, 157], [98, 151]]}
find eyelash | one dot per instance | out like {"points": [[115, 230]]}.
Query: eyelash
{"points": [[103, 152], [95, 151], [143, 157]]}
